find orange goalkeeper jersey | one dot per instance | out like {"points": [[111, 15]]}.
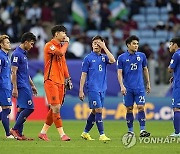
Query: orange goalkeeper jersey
{"points": [[55, 67]]}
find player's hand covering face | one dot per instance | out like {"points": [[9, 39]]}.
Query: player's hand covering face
{"points": [[97, 45]]}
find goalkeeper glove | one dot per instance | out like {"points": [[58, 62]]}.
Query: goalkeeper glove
{"points": [[68, 84]]}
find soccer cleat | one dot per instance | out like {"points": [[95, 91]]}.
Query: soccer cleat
{"points": [[65, 138], [16, 134], [103, 137], [86, 136], [10, 137], [26, 138], [174, 135], [43, 137], [144, 134]]}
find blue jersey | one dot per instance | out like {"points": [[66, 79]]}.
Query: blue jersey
{"points": [[175, 65], [96, 68], [5, 71], [19, 60], [132, 69]]}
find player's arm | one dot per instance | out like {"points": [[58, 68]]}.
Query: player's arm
{"points": [[108, 53], [120, 79], [14, 81], [68, 82], [51, 49], [33, 87], [147, 80], [81, 87]]}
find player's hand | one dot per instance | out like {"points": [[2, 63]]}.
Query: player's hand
{"points": [[171, 80], [123, 90], [15, 93], [101, 44], [148, 88], [66, 39], [34, 90], [81, 95], [68, 84]]}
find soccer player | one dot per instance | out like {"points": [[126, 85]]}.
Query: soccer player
{"points": [[23, 87], [131, 67], [94, 72], [55, 74], [5, 83], [175, 68]]}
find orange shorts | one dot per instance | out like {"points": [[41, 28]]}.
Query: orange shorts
{"points": [[54, 92]]}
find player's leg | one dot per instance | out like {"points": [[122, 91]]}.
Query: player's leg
{"points": [[5, 102], [17, 115], [140, 101], [129, 102], [25, 103], [52, 93], [176, 110], [89, 124]]}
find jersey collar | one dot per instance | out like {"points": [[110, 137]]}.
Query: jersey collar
{"points": [[94, 53], [4, 52], [56, 43], [128, 53], [21, 50]]}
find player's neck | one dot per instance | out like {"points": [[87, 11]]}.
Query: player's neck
{"points": [[98, 52], [22, 46], [131, 52], [58, 41]]}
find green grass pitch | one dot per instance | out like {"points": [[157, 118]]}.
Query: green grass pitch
{"points": [[113, 129]]}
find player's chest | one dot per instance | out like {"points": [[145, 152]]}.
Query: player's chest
{"points": [[97, 63], [128, 60]]}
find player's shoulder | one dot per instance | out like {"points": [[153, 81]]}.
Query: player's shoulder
{"points": [[121, 56], [88, 56], [140, 54]]}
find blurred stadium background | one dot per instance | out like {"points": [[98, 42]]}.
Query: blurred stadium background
{"points": [[155, 22]]}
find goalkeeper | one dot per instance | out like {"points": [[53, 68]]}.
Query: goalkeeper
{"points": [[56, 79]]}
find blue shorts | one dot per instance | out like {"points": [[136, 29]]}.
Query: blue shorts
{"points": [[176, 98], [134, 95], [5, 97], [24, 100], [96, 99]]}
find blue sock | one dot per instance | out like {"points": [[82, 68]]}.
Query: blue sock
{"points": [[0, 115], [142, 120], [176, 122], [99, 123], [90, 122], [5, 120], [22, 118], [130, 119], [20, 130]]}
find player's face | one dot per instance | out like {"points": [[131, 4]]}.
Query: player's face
{"points": [[133, 46], [28, 45], [172, 47], [61, 36], [6, 45], [95, 46]]}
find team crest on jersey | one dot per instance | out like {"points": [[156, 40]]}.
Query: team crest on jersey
{"points": [[52, 47], [15, 59], [103, 59], [138, 58]]}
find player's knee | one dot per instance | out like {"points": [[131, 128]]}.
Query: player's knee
{"points": [[129, 109], [140, 108], [98, 110]]}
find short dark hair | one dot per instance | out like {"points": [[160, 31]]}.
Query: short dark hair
{"points": [[97, 37], [58, 28], [176, 40], [131, 38], [28, 36]]}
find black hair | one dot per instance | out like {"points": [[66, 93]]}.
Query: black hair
{"points": [[176, 40], [28, 36], [97, 37], [58, 28], [131, 38]]}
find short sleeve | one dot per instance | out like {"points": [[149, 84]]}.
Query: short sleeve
{"points": [[173, 61], [15, 59], [120, 62], [85, 65], [144, 63]]}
